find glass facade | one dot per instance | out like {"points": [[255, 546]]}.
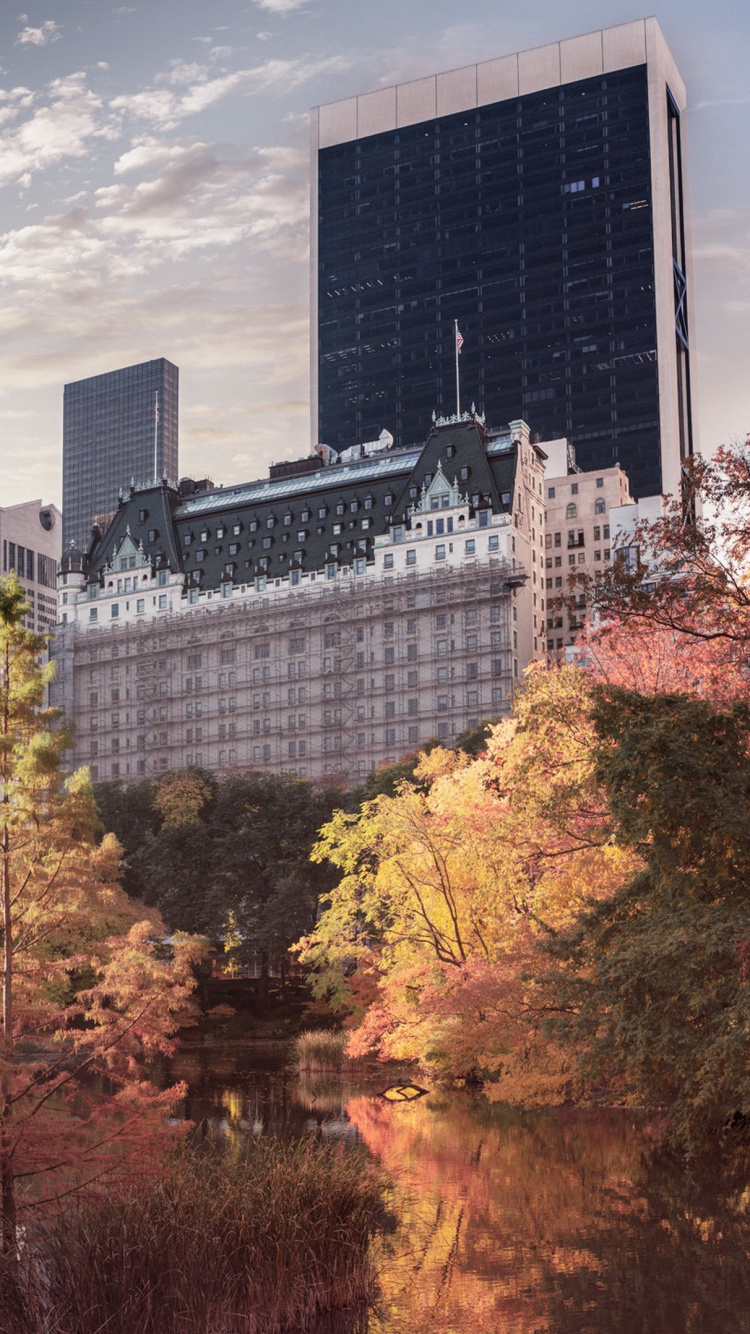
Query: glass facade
{"points": [[111, 436], [529, 221]]}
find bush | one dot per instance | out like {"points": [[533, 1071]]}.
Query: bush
{"points": [[267, 1239], [320, 1050]]}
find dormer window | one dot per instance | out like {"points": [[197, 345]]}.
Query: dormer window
{"points": [[450, 451], [187, 539], [304, 516], [340, 507], [220, 532], [205, 535], [236, 529], [153, 533], [388, 499], [142, 516], [368, 502], [270, 521], [414, 492], [354, 506], [288, 519], [253, 525], [322, 512]]}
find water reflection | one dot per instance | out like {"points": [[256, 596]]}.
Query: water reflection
{"points": [[563, 1223]]}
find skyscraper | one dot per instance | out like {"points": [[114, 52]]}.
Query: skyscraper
{"points": [[117, 427], [539, 199]]}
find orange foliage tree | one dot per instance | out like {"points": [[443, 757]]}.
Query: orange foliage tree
{"points": [[89, 990], [449, 891]]}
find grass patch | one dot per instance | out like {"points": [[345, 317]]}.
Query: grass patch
{"points": [[320, 1049], [272, 1238]]}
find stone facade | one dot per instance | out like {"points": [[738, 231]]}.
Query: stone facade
{"points": [[330, 664], [579, 539]]}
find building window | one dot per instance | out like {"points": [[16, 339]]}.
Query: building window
{"points": [[440, 552], [551, 493], [600, 481], [571, 511], [599, 506], [114, 610], [471, 546], [388, 561]]}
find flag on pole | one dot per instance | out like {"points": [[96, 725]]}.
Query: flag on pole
{"points": [[459, 340]]}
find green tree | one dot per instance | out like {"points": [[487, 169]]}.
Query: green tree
{"points": [[656, 977]]}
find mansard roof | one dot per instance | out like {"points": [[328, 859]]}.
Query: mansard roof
{"points": [[332, 515]]}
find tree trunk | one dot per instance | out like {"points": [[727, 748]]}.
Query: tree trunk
{"points": [[7, 1181]]}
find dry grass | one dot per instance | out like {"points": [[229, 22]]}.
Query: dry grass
{"points": [[269, 1240], [319, 1050]]}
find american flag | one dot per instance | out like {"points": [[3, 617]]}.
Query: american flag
{"points": [[459, 340]]}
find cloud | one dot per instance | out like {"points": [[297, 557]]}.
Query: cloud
{"points": [[280, 6], [63, 128], [164, 108], [47, 32]]}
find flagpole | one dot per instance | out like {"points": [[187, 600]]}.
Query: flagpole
{"points": [[156, 436], [458, 389]]}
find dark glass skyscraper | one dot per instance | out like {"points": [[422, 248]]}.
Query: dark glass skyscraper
{"points": [[117, 427], [538, 200]]}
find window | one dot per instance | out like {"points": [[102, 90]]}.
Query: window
{"points": [[574, 489], [600, 481], [571, 512], [388, 561], [471, 546], [114, 610], [442, 703], [551, 493], [599, 506], [162, 602], [440, 552]]}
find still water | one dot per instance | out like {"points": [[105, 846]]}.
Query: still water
{"points": [[567, 1222]]}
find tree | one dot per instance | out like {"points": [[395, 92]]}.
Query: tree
{"points": [[689, 576], [264, 826], [432, 936], [656, 993], [88, 988]]}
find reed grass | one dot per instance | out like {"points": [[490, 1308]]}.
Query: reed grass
{"points": [[320, 1049], [270, 1239]]}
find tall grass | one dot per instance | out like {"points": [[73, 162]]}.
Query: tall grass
{"points": [[320, 1049], [270, 1240]]}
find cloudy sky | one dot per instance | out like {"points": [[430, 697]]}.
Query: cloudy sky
{"points": [[154, 198]]}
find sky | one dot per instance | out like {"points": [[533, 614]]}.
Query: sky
{"points": [[154, 199]]}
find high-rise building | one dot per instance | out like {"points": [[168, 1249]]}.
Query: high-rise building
{"points": [[540, 200], [118, 427], [31, 544]]}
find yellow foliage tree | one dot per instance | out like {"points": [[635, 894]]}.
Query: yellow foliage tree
{"points": [[434, 936]]}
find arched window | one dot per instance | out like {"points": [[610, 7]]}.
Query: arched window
{"points": [[599, 507], [571, 512]]}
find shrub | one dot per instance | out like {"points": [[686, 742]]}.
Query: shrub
{"points": [[265, 1239], [320, 1049]]}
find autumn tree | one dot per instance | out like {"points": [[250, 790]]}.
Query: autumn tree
{"points": [[88, 987], [687, 571], [447, 890]]}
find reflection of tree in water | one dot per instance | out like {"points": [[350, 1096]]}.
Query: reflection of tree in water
{"points": [[557, 1224]]}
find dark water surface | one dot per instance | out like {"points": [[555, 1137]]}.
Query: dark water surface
{"points": [[566, 1222]]}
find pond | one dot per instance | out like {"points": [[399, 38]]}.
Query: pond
{"points": [[563, 1222]]}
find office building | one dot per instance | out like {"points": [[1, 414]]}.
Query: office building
{"points": [[333, 616], [581, 536], [31, 544], [118, 428], [540, 200]]}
